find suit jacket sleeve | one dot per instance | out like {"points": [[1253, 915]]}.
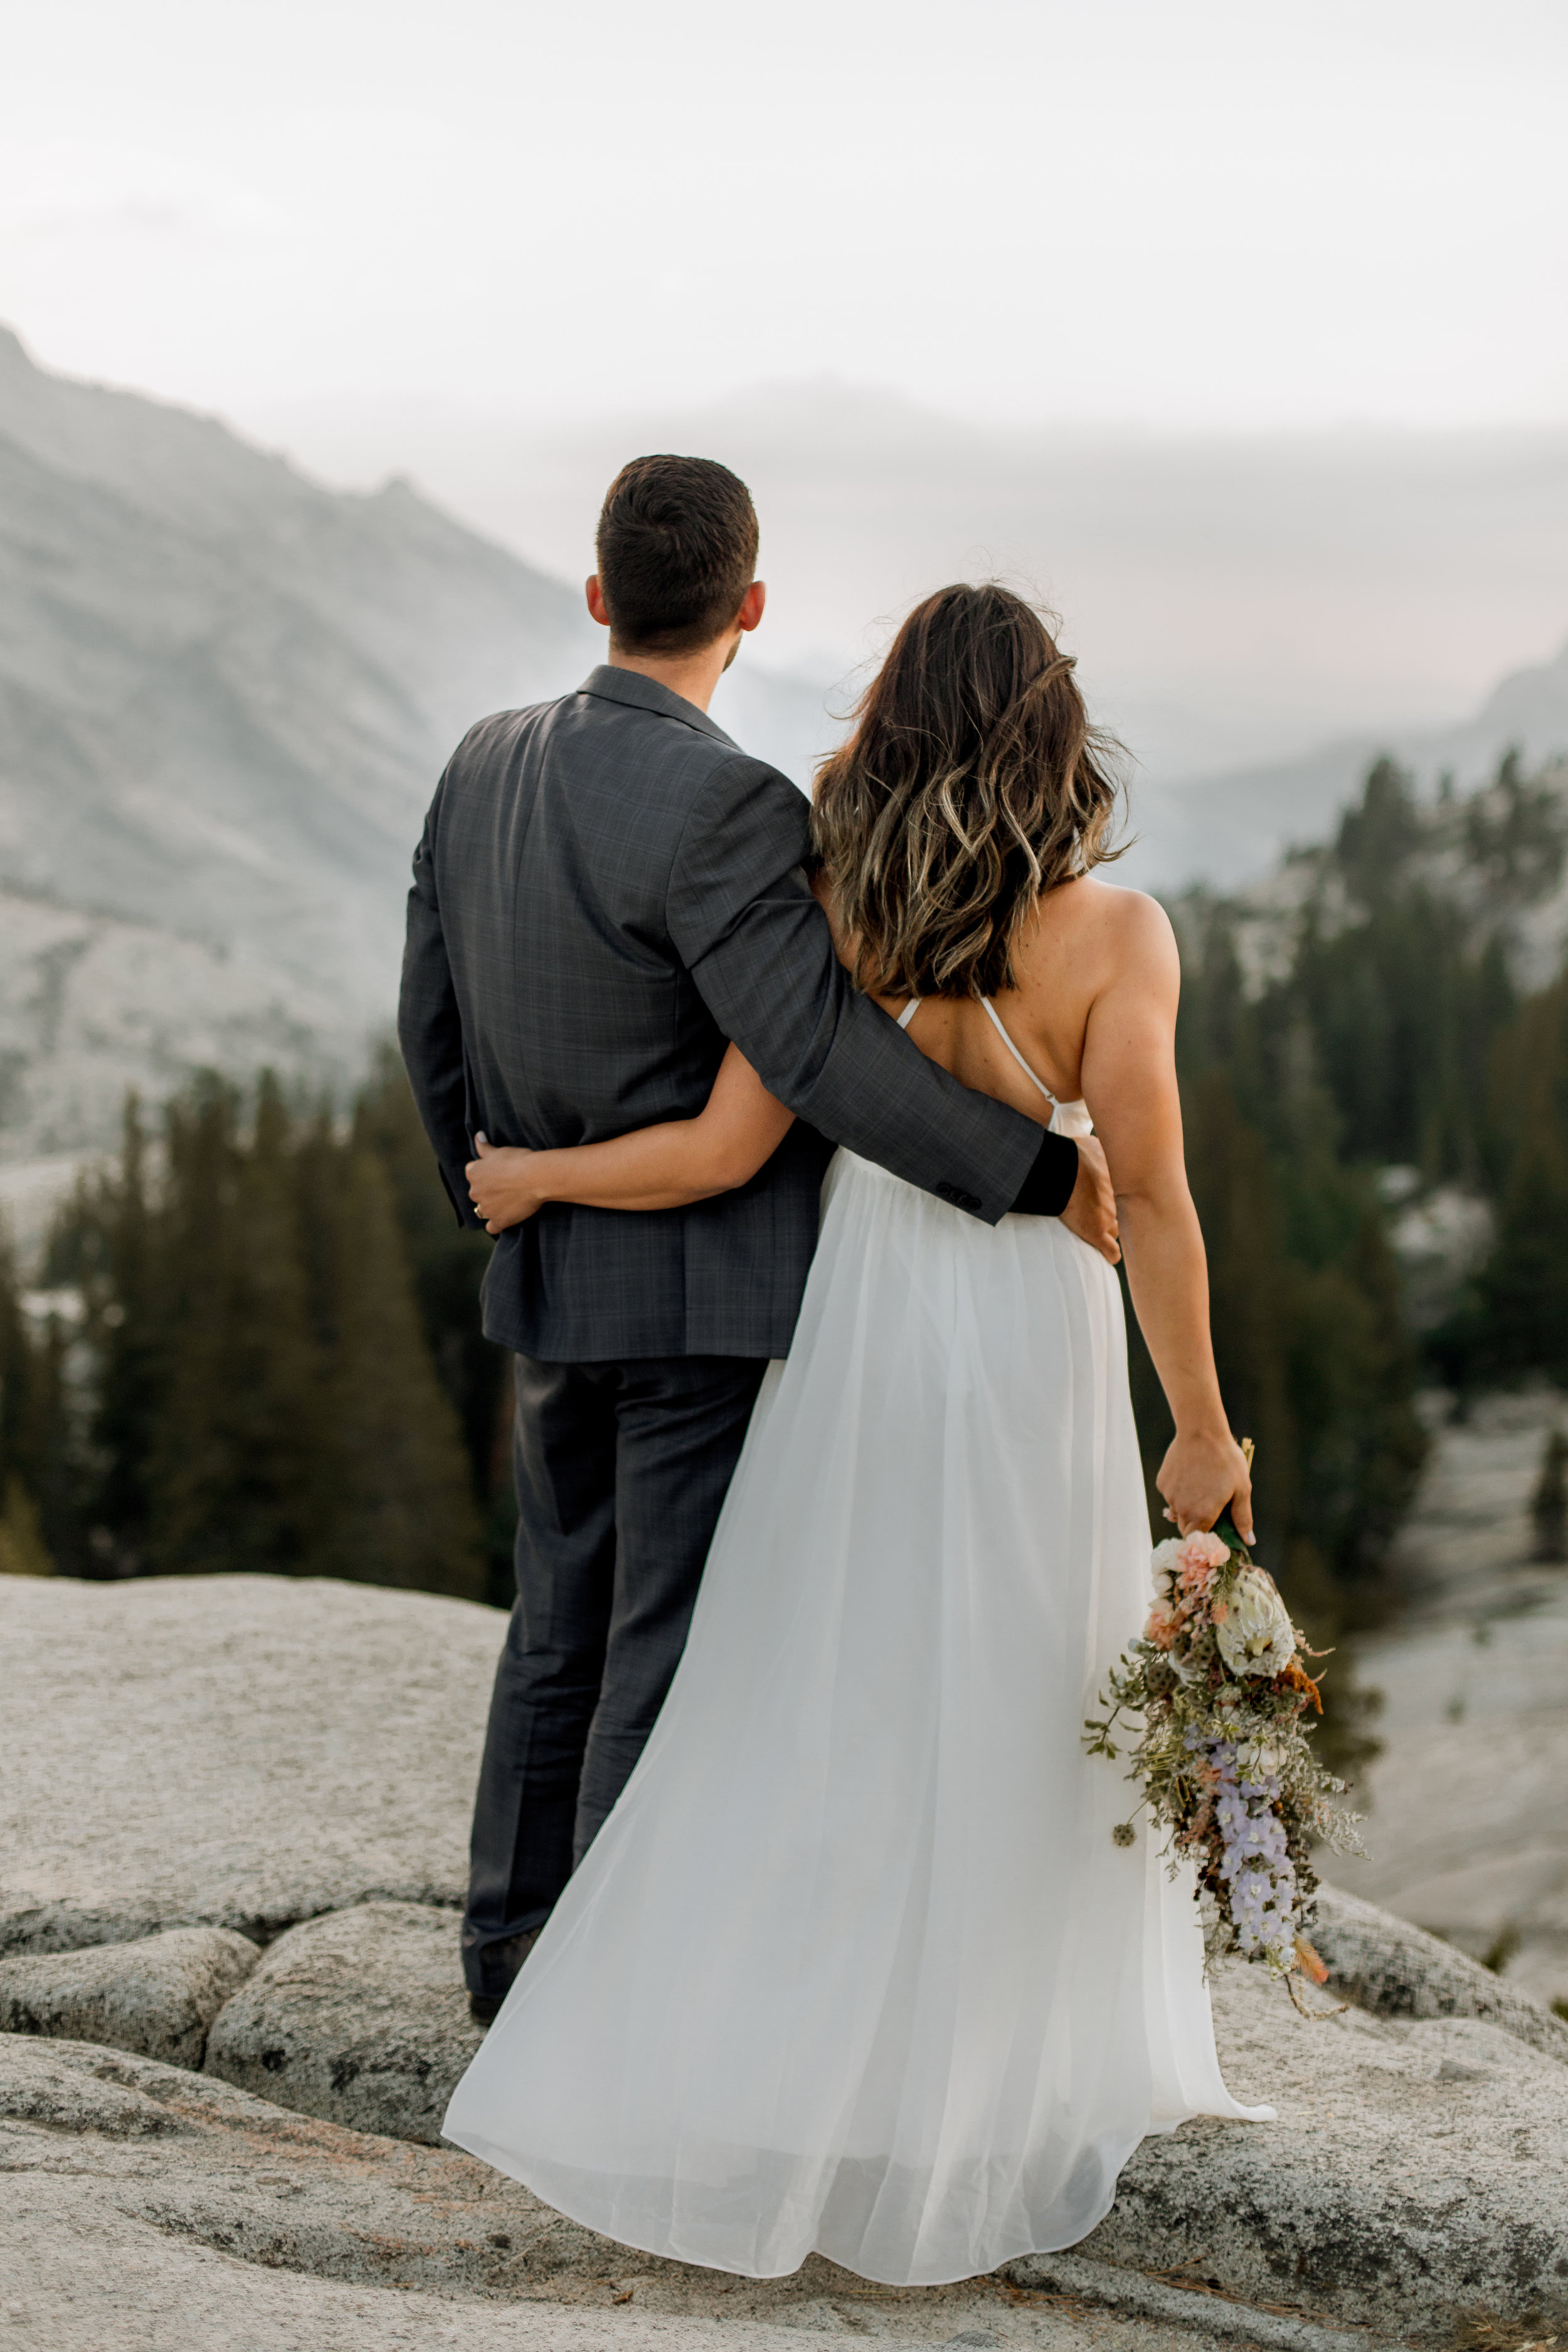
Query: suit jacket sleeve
{"points": [[745, 924], [430, 1029]]}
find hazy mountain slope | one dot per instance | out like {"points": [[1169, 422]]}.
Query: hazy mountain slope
{"points": [[1227, 828], [450, 613], [225, 694], [92, 1004]]}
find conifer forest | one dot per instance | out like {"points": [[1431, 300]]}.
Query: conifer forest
{"points": [[254, 1341]]}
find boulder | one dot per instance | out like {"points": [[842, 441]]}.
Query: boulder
{"points": [[157, 1996], [1385, 1965], [231, 1752], [1413, 2175], [360, 2018]]}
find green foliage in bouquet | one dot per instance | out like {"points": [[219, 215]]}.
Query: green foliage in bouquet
{"points": [[1221, 1748]]}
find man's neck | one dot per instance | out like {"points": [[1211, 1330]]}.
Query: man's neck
{"points": [[692, 676]]}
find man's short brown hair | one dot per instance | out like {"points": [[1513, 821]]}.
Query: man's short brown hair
{"points": [[678, 550]]}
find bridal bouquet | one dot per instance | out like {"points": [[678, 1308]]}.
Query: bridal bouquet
{"points": [[1222, 1756]]}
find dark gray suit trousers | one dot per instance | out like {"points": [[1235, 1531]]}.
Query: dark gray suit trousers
{"points": [[621, 1471]]}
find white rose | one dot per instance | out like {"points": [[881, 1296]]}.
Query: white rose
{"points": [[1256, 1637], [1168, 1556]]}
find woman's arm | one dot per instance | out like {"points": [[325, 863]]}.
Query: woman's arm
{"points": [[739, 1128], [1130, 1086]]}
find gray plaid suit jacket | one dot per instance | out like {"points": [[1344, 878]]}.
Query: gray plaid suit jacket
{"points": [[606, 890]]}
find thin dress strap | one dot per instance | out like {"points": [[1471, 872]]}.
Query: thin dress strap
{"points": [[911, 1009], [1001, 1031]]}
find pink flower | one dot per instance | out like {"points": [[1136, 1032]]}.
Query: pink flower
{"points": [[1162, 1626], [1196, 1561], [1219, 1613]]}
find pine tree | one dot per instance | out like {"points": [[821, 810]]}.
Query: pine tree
{"points": [[1314, 1365], [25, 1429], [1377, 835], [264, 1393], [402, 1508], [119, 1267], [1238, 1208], [1359, 1441], [16, 1366], [1396, 988], [1549, 1502], [237, 1466], [1517, 1320], [23, 1551], [448, 1265]]}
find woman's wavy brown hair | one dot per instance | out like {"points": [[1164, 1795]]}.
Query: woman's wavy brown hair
{"points": [[972, 784]]}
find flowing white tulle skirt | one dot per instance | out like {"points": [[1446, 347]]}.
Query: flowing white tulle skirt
{"points": [[855, 1965]]}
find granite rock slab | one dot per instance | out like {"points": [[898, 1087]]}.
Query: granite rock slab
{"points": [[157, 1996], [1413, 2177], [360, 2017], [231, 1752], [150, 2210], [1413, 2171], [300, 1759]]}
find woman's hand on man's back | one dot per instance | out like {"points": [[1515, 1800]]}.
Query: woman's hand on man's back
{"points": [[1091, 1212]]}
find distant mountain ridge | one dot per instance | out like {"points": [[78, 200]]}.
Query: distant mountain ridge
{"points": [[225, 693], [1228, 829]]}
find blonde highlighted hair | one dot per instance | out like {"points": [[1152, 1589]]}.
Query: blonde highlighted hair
{"points": [[972, 784]]}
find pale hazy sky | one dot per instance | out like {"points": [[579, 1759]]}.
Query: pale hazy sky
{"points": [[1180, 212]]}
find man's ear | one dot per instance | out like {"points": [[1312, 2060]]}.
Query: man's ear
{"points": [[596, 605], [752, 604]]}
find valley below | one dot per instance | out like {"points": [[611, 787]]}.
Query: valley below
{"points": [[1467, 1807]]}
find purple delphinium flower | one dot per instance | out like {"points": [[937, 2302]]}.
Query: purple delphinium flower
{"points": [[1254, 1861]]}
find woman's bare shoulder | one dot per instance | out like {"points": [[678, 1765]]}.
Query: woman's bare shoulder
{"points": [[1111, 926], [1137, 923]]}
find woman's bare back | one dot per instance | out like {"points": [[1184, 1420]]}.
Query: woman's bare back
{"points": [[1083, 939]]}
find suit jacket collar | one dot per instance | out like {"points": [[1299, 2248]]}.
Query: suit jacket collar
{"points": [[629, 686]]}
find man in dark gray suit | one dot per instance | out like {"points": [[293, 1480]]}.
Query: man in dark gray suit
{"points": [[607, 891]]}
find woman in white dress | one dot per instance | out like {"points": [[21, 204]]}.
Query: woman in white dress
{"points": [[856, 1964]]}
